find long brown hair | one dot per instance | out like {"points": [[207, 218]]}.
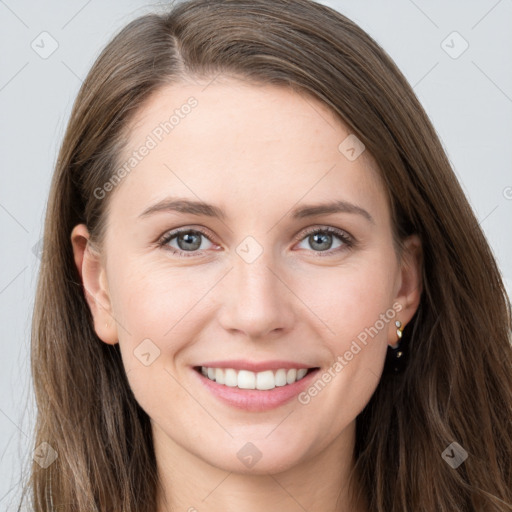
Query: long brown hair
{"points": [[457, 386]]}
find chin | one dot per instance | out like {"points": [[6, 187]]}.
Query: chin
{"points": [[256, 457]]}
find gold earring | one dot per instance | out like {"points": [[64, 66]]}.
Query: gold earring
{"points": [[399, 329], [395, 357]]}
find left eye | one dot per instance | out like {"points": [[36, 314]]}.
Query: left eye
{"points": [[189, 241], [324, 236]]}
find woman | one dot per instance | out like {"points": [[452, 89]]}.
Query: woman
{"points": [[255, 369]]}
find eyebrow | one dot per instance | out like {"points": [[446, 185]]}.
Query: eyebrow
{"points": [[209, 210]]}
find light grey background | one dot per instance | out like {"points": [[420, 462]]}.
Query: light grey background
{"points": [[467, 96]]}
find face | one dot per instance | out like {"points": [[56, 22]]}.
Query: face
{"points": [[266, 286]]}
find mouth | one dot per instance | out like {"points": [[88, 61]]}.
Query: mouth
{"points": [[246, 379], [254, 391]]}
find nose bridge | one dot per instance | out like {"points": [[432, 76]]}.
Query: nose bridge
{"points": [[257, 301], [255, 280], [254, 258]]}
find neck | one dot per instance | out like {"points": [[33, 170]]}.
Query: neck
{"points": [[319, 484]]}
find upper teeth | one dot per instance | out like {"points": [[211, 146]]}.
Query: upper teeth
{"points": [[245, 379]]}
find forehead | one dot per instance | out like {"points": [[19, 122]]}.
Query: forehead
{"points": [[245, 146]]}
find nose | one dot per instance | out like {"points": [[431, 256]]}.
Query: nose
{"points": [[256, 300]]}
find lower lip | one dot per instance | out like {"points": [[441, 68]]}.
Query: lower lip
{"points": [[256, 400]]}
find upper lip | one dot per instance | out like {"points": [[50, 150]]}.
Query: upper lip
{"points": [[255, 366]]}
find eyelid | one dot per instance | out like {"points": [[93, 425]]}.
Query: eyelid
{"points": [[173, 233], [341, 233]]}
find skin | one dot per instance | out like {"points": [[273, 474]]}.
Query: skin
{"points": [[256, 152]]}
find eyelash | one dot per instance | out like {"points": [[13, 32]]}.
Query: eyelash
{"points": [[348, 242]]}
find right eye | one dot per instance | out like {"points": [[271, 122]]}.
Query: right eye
{"points": [[186, 239]]}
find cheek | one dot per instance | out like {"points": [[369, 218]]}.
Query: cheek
{"points": [[158, 313], [350, 298], [358, 308], [162, 312], [155, 303]]}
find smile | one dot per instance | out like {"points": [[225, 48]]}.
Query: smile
{"points": [[254, 391], [245, 379]]}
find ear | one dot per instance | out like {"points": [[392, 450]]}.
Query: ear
{"points": [[94, 280], [409, 285]]}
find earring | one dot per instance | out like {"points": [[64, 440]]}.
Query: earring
{"points": [[396, 355]]}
